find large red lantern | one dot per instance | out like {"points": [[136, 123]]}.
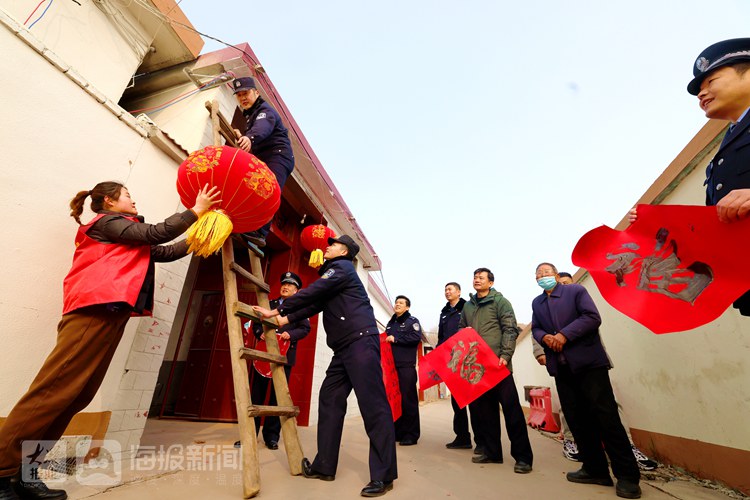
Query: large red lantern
{"points": [[314, 240], [249, 191]]}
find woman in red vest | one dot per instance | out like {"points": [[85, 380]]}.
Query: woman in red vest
{"points": [[111, 279]]}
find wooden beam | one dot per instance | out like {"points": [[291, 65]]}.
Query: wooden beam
{"points": [[263, 356], [250, 277], [275, 411], [245, 311]]}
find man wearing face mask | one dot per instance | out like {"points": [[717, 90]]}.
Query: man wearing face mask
{"points": [[566, 322]]}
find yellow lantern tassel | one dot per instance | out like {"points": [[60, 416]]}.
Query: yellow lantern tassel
{"points": [[207, 235], [316, 258]]}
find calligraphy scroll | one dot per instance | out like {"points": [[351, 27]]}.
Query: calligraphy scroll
{"points": [[674, 269], [390, 377], [466, 364]]}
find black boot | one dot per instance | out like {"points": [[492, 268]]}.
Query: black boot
{"points": [[6, 490], [36, 490]]}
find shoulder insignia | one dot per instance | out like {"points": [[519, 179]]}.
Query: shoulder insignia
{"points": [[260, 116], [328, 274], [416, 326]]}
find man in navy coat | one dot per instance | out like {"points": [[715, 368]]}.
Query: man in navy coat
{"points": [[565, 322], [352, 334]]}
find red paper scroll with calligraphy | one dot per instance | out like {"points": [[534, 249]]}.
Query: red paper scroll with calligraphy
{"points": [[674, 269], [390, 377], [467, 365], [428, 376]]}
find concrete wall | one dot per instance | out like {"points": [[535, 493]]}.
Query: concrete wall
{"points": [[58, 140]]}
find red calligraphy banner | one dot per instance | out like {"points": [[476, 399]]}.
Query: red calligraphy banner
{"points": [[674, 269], [390, 377], [466, 364]]}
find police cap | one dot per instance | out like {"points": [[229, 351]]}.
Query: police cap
{"points": [[292, 279], [245, 83], [717, 56], [348, 242]]}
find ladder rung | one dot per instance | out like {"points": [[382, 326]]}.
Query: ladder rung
{"points": [[245, 311], [251, 278], [275, 411], [262, 356]]}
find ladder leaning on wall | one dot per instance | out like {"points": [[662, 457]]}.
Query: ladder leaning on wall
{"points": [[236, 311]]}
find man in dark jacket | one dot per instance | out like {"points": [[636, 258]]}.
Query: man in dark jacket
{"points": [[492, 317], [404, 333], [292, 333], [447, 327], [266, 137], [565, 322], [352, 333]]}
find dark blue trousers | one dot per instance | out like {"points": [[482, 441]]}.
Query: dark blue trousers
{"points": [[281, 165], [407, 426], [357, 367], [259, 388]]}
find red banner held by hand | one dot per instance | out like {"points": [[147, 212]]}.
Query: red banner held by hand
{"points": [[390, 377], [466, 364], [673, 269]]}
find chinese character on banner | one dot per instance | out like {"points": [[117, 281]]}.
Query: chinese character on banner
{"points": [[390, 377], [673, 269], [466, 364], [428, 376]]}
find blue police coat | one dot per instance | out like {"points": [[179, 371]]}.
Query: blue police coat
{"points": [[407, 334], [569, 310], [449, 318], [341, 296], [297, 331], [267, 132]]}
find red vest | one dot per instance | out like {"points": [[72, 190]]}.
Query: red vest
{"points": [[104, 272]]}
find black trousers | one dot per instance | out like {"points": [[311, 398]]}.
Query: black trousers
{"points": [[357, 367], [461, 418], [259, 388], [487, 433], [591, 411], [282, 167], [407, 426]]}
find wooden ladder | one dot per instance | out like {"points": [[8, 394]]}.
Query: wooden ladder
{"points": [[236, 311]]}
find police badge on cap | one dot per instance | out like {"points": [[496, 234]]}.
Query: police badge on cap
{"points": [[717, 56], [292, 279], [240, 84]]}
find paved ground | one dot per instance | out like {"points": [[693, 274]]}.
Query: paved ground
{"points": [[426, 471]]}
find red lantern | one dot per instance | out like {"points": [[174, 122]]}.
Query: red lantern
{"points": [[249, 191], [314, 240]]}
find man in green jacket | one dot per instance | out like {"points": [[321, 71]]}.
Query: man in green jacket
{"points": [[492, 316]]}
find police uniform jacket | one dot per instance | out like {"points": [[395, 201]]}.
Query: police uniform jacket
{"points": [[729, 170], [297, 331], [570, 310], [266, 131], [407, 334], [449, 318], [341, 296]]}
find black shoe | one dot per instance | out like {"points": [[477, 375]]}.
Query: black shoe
{"points": [[238, 444], [272, 445], [484, 459], [627, 489], [254, 238], [36, 490], [522, 468], [376, 488], [458, 445], [478, 450], [581, 476], [309, 473], [6, 490], [407, 442]]}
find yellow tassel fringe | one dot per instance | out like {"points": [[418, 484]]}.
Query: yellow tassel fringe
{"points": [[207, 235], [316, 258]]}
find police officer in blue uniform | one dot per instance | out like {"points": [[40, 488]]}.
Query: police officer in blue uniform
{"points": [[352, 334], [404, 333], [266, 137], [722, 84], [293, 332]]}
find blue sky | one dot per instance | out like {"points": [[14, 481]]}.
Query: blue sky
{"points": [[482, 133]]}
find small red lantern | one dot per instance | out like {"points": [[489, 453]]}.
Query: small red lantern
{"points": [[314, 240], [249, 191]]}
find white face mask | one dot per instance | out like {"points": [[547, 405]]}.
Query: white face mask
{"points": [[547, 282]]}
